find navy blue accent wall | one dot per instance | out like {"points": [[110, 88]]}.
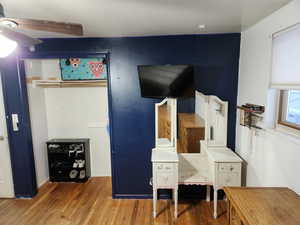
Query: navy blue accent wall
{"points": [[215, 58], [20, 142]]}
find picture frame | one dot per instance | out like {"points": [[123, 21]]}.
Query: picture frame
{"points": [[73, 69]]}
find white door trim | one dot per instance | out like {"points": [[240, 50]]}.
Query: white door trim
{"points": [[6, 181]]}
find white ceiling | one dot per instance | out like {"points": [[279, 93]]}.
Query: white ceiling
{"points": [[112, 18]]}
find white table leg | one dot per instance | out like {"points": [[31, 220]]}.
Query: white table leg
{"points": [[207, 193], [215, 202], [175, 194], [154, 202]]}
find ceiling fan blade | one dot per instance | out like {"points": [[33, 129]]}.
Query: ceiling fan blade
{"points": [[22, 39], [44, 25]]}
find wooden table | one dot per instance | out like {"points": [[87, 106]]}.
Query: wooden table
{"points": [[262, 206]]}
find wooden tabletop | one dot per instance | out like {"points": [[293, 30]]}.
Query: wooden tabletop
{"points": [[191, 120], [265, 206]]}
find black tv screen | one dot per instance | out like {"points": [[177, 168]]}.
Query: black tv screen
{"points": [[160, 81]]}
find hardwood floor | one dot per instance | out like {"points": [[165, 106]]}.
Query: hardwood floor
{"points": [[91, 203]]}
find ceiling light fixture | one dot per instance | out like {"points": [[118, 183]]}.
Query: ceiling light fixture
{"points": [[7, 46], [201, 26]]}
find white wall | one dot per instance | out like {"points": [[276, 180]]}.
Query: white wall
{"points": [[273, 158], [81, 113], [37, 108], [36, 97], [67, 113]]}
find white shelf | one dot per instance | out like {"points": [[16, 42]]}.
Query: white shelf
{"points": [[61, 83]]}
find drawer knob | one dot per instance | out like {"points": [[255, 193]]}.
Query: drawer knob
{"points": [[231, 168]]}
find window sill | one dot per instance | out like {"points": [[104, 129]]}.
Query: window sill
{"points": [[284, 133], [289, 127]]}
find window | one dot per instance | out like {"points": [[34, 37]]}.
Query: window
{"points": [[289, 108], [285, 77]]}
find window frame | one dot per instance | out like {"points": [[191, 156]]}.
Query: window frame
{"points": [[282, 110]]}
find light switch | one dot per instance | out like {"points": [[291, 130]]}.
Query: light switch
{"points": [[15, 122]]}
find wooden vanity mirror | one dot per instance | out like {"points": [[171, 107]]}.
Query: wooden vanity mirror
{"points": [[166, 123], [208, 123], [191, 128]]}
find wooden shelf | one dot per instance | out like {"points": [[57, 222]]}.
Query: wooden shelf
{"points": [[249, 116], [250, 110], [61, 84]]}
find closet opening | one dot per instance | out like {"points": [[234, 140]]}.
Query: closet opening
{"points": [[68, 99]]}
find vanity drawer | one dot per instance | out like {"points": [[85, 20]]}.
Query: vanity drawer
{"points": [[229, 167], [165, 175], [166, 180], [228, 174], [167, 167], [229, 179]]}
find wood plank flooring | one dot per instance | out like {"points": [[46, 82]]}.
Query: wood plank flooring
{"points": [[91, 204]]}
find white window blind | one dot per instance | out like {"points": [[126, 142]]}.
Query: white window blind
{"points": [[286, 59]]}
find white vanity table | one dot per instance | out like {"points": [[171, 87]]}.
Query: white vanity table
{"points": [[215, 165]]}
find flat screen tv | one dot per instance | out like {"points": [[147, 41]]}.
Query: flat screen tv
{"points": [[160, 81]]}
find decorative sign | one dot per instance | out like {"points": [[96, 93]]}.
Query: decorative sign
{"points": [[83, 69]]}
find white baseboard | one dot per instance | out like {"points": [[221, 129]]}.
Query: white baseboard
{"points": [[43, 182]]}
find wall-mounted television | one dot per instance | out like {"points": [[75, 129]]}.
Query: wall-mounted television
{"points": [[160, 81]]}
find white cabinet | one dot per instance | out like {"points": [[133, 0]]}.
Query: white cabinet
{"points": [[225, 167], [165, 174]]}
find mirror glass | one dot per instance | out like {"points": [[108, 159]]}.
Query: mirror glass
{"points": [[164, 124], [191, 128]]}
